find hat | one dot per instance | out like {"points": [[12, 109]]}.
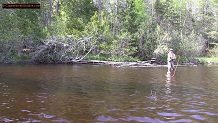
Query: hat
{"points": [[171, 49]]}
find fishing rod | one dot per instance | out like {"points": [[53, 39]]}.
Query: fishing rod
{"points": [[176, 66]]}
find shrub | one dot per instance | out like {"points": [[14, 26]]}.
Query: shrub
{"points": [[213, 52]]}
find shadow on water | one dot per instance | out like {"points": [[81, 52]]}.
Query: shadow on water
{"points": [[84, 93]]}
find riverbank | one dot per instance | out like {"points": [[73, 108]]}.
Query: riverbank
{"points": [[162, 63], [127, 64], [19, 62], [208, 60], [106, 63]]}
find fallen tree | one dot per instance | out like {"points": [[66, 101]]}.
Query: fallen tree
{"points": [[62, 49]]}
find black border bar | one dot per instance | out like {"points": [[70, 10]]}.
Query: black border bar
{"points": [[21, 6]]}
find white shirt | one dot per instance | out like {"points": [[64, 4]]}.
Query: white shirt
{"points": [[171, 55]]}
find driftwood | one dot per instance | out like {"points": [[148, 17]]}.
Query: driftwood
{"points": [[126, 64]]}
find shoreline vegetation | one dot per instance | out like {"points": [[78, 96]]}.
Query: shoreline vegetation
{"points": [[52, 51], [208, 60], [117, 33]]}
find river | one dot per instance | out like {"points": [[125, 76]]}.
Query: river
{"points": [[99, 94]]}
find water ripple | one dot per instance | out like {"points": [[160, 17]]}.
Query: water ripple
{"points": [[191, 111], [141, 119], [169, 114], [198, 117], [181, 121], [61, 120], [104, 118], [209, 113], [6, 120], [25, 111]]}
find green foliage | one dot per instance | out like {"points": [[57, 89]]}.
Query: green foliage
{"points": [[161, 50], [28, 23], [179, 59], [95, 57], [146, 38], [139, 10], [109, 46], [77, 14], [17, 58], [125, 30], [133, 15], [192, 45], [206, 60], [16, 27], [116, 58], [6, 26], [213, 52], [162, 58], [182, 59]]}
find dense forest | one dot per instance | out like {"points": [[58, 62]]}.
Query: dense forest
{"points": [[117, 30]]}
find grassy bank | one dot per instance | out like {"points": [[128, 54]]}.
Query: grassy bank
{"points": [[208, 60]]}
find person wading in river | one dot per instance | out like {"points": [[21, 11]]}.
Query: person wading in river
{"points": [[170, 60]]}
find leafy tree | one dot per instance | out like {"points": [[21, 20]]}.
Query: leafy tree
{"points": [[18, 26], [77, 14]]}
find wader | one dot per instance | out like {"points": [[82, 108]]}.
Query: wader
{"points": [[171, 65]]}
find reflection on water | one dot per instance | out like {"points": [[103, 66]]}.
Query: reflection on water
{"points": [[71, 93]]}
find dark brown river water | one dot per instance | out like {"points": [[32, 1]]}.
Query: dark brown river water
{"points": [[103, 94]]}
